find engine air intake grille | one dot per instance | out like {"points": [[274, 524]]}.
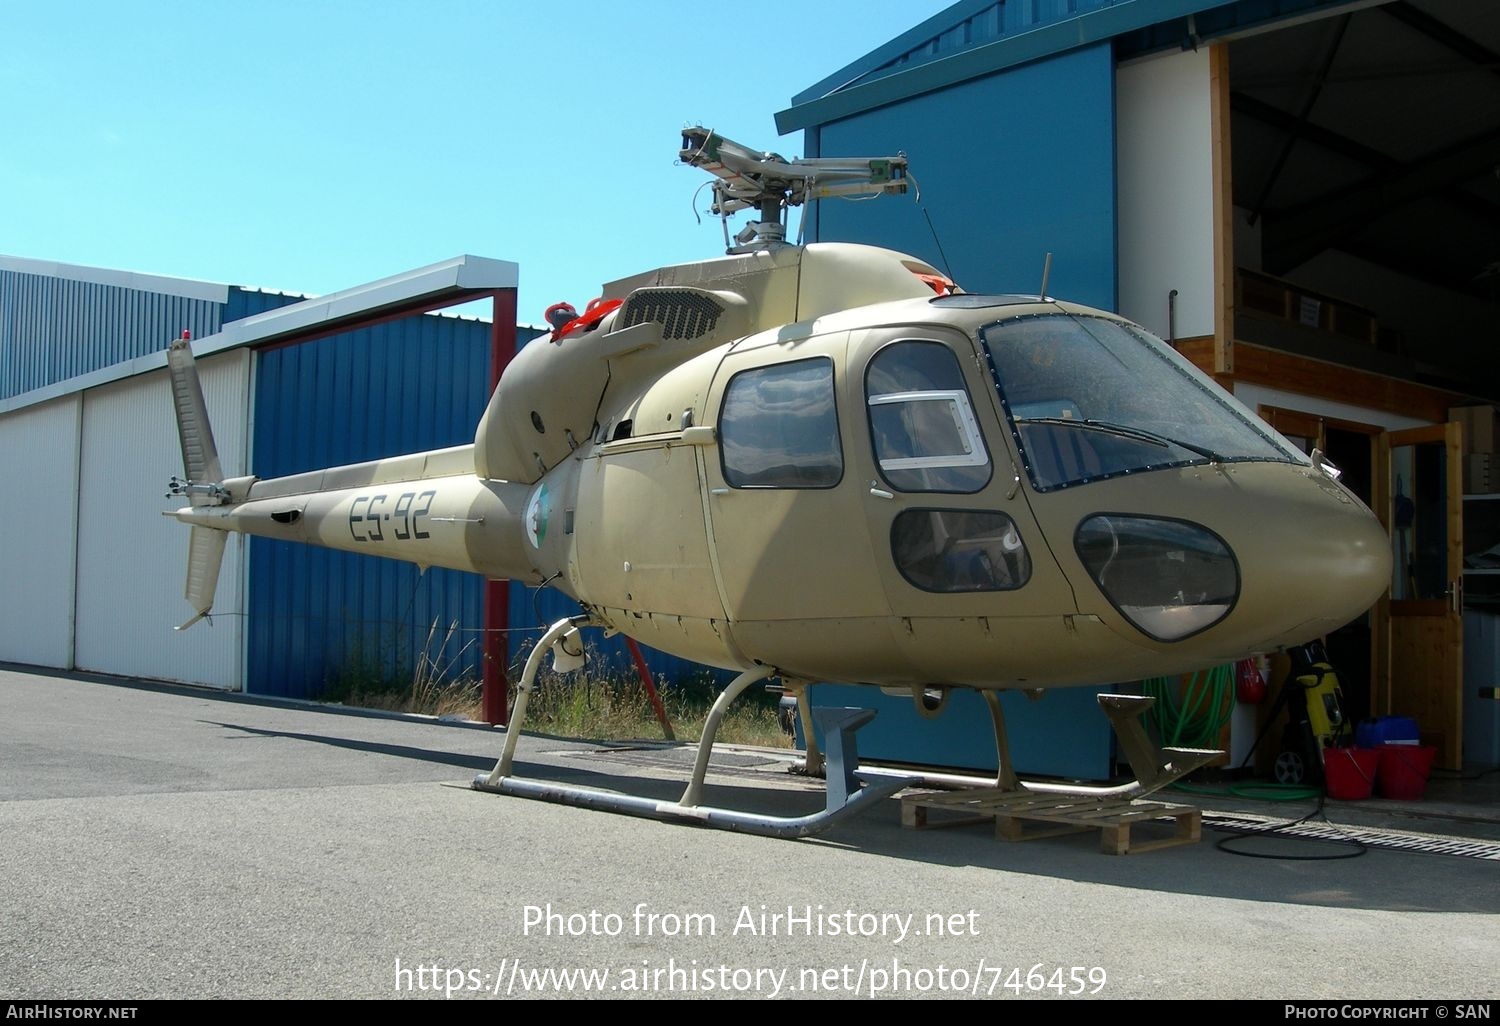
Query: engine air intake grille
{"points": [[682, 313]]}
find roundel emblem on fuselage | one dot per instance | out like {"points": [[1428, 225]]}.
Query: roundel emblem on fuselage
{"points": [[537, 512]]}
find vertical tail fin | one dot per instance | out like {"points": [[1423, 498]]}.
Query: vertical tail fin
{"points": [[200, 457], [204, 475], [205, 556]]}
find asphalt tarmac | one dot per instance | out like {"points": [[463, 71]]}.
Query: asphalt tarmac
{"points": [[160, 842]]}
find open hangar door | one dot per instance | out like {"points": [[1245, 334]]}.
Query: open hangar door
{"points": [[1366, 164], [1366, 233]]}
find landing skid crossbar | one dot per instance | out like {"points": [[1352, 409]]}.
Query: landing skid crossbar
{"points": [[849, 791]]}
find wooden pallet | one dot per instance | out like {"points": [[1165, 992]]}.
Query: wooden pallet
{"points": [[1060, 814]]}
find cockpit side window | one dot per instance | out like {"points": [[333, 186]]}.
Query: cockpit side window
{"points": [[922, 420], [779, 427]]}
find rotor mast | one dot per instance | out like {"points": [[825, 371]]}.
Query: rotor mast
{"points": [[771, 184]]}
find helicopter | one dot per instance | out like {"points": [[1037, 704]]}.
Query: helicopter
{"points": [[829, 462]]}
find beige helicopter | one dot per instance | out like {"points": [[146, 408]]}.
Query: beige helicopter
{"points": [[829, 463]]}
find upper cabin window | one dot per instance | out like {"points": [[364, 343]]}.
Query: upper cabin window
{"points": [[922, 421], [779, 428]]}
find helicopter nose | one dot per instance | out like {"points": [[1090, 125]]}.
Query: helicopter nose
{"points": [[1251, 559], [1316, 563]]}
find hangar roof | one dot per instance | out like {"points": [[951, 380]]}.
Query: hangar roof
{"points": [[445, 283]]}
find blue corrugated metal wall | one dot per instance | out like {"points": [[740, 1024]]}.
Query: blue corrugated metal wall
{"points": [[318, 617], [314, 615], [52, 329], [987, 21], [964, 26], [1012, 166], [249, 302]]}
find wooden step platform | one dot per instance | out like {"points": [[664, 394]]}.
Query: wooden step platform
{"points": [[1059, 814]]}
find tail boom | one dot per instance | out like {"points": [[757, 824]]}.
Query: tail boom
{"points": [[458, 521], [427, 508]]}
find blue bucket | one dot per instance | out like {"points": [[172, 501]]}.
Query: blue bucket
{"points": [[1387, 730]]}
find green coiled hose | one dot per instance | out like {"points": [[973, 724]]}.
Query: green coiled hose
{"points": [[1197, 719]]}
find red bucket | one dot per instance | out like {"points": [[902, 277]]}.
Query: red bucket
{"points": [[1349, 773], [1404, 769]]}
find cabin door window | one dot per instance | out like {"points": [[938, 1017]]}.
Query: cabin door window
{"points": [[922, 421], [926, 438]]}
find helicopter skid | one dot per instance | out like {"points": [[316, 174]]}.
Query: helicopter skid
{"points": [[705, 815], [849, 789]]}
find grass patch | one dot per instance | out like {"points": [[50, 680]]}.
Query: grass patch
{"points": [[618, 709], [433, 690], [612, 707]]}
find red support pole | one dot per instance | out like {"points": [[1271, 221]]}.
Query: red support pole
{"points": [[497, 593], [496, 635], [645, 674]]}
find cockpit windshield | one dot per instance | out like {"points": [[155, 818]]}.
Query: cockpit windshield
{"points": [[1090, 398]]}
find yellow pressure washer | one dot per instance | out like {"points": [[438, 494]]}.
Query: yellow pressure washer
{"points": [[1314, 705]]}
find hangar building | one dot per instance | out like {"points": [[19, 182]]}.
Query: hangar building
{"points": [[88, 442]]}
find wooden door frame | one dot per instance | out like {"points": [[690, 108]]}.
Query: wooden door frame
{"points": [[1450, 434]]}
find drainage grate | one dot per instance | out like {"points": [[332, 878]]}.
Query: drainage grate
{"points": [[1395, 840]]}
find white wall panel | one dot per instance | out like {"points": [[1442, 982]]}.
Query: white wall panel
{"points": [[132, 561], [1255, 396], [38, 510], [1164, 149]]}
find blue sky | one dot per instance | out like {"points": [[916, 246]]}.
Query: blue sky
{"points": [[317, 145]]}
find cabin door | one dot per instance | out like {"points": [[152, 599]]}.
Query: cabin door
{"points": [[963, 562], [1419, 497], [787, 532]]}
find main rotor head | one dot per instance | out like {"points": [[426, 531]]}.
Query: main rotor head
{"points": [[771, 184]]}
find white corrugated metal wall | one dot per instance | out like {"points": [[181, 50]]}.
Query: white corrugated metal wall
{"points": [[131, 559], [38, 515]]}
